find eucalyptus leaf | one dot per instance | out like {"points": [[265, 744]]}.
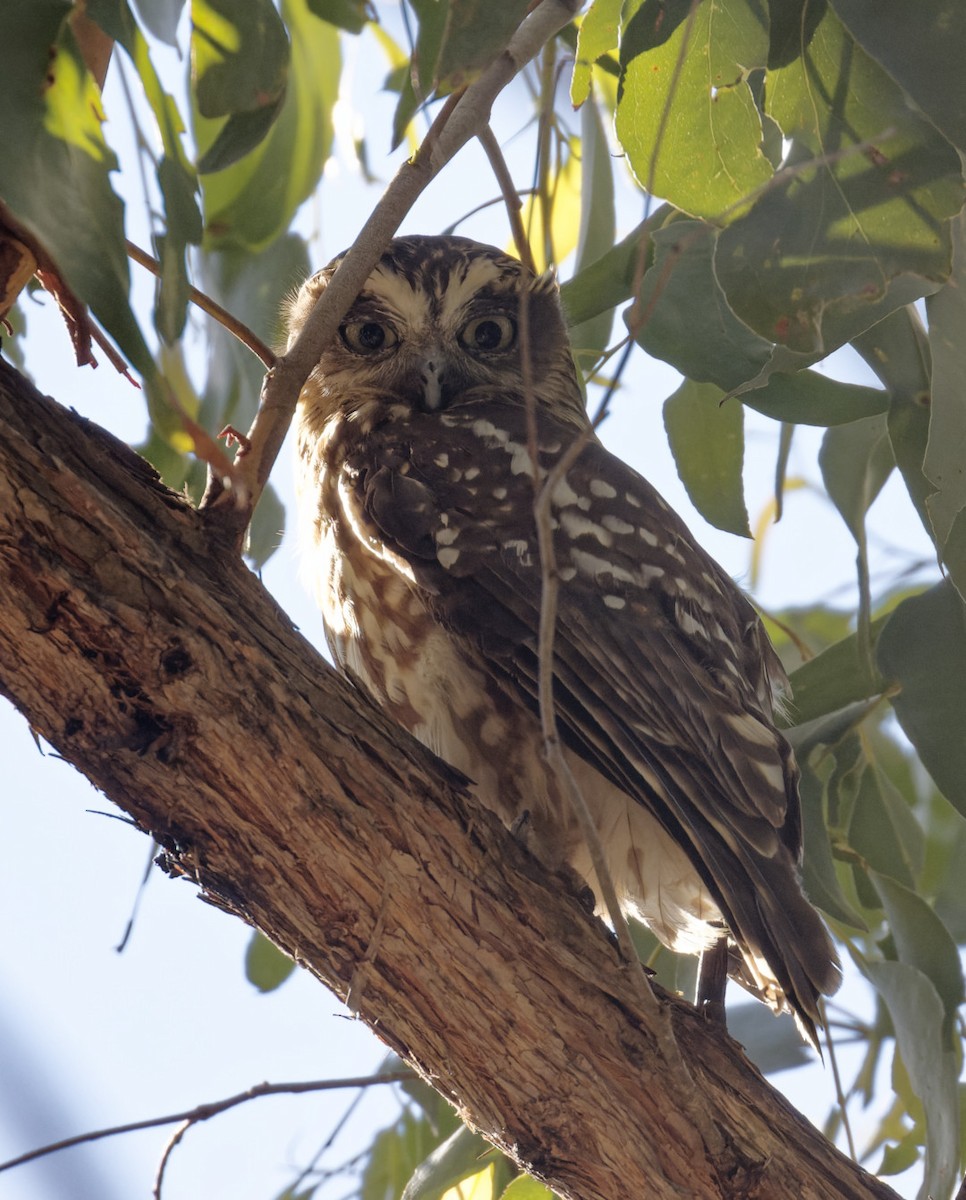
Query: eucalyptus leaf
{"points": [[917, 1016], [462, 1154], [921, 46], [686, 116], [265, 965], [859, 225], [923, 650], [856, 460], [707, 440], [598, 34]]}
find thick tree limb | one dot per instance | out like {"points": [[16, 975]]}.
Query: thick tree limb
{"points": [[169, 677]]}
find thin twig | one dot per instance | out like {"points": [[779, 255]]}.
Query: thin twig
{"points": [[224, 318], [839, 1093], [202, 1112], [511, 197]]}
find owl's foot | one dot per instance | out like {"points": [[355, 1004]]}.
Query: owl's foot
{"points": [[712, 981]]}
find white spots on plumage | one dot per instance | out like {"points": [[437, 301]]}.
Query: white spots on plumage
{"points": [[602, 489], [584, 503], [563, 495], [565, 574], [518, 546], [633, 500], [471, 473], [520, 461], [575, 526], [647, 573], [446, 537], [751, 729], [616, 524], [441, 460], [499, 493], [598, 568], [689, 625], [647, 536], [615, 602], [447, 556], [493, 730], [488, 432]]}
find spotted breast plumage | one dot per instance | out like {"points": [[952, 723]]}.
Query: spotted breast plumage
{"points": [[417, 473]]}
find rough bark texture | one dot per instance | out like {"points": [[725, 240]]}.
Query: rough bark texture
{"points": [[163, 670]]}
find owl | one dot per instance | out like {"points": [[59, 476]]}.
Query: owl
{"points": [[422, 441]]}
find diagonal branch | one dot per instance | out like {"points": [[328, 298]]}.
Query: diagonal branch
{"points": [[159, 666]]}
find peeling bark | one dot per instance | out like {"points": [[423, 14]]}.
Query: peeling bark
{"points": [[158, 665]]}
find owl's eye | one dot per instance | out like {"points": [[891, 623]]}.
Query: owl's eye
{"points": [[368, 337], [489, 335]]}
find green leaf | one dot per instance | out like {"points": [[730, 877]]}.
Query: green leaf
{"points": [[923, 649], [945, 461], [923, 941], [525, 1187], [856, 460], [917, 1016], [176, 176], [161, 17], [55, 168], [680, 294], [610, 280], [920, 45], [791, 26], [883, 831], [597, 35], [708, 444], [819, 877], [239, 56], [685, 115], [252, 202], [464, 1153], [597, 224], [396, 1153], [241, 133], [863, 231], [344, 14], [837, 677], [810, 398], [265, 965], [475, 32]]}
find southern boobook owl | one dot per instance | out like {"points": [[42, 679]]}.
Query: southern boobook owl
{"points": [[416, 492]]}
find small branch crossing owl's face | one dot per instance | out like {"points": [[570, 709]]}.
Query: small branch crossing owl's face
{"points": [[441, 319]]}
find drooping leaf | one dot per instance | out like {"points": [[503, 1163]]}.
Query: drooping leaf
{"points": [[610, 280], [396, 1153], [598, 35], [474, 34], [265, 965], [920, 45], [791, 25], [883, 830], [945, 461], [686, 115], [597, 222], [161, 17], [819, 877], [55, 169], [923, 941], [253, 201], [923, 649], [176, 176], [841, 243], [837, 677], [707, 439], [239, 56], [350, 15], [460, 1157], [856, 460]]}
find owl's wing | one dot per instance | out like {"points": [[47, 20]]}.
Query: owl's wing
{"points": [[663, 677]]}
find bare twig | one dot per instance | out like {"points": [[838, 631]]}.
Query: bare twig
{"points": [[212, 1109], [224, 318], [511, 197], [453, 128]]}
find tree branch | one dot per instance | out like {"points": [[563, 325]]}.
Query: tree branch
{"points": [[159, 666]]}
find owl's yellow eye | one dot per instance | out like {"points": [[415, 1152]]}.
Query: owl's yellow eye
{"points": [[369, 337], [489, 335]]}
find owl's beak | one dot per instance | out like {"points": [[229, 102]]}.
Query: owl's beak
{"points": [[431, 375]]}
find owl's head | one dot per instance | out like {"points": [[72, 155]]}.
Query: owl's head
{"points": [[443, 321]]}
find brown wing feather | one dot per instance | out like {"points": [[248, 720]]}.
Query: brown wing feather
{"points": [[659, 668]]}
